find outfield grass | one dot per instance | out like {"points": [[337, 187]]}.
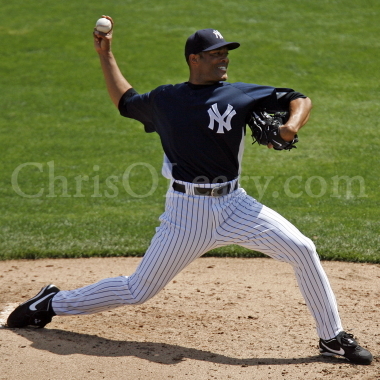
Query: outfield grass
{"points": [[57, 121]]}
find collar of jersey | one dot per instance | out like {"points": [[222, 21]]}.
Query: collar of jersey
{"points": [[200, 86]]}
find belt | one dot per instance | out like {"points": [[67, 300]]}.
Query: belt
{"points": [[216, 191]]}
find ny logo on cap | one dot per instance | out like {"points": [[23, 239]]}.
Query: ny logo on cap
{"points": [[224, 120], [217, 34]]}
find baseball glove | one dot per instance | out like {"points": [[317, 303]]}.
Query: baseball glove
{"points": [[265, 129]]}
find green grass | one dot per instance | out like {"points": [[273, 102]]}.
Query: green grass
{"points": [[56, 115]]}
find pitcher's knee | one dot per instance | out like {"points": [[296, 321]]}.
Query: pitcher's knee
{"points": [[139, 299], [141, 290], [307, 245], [306, 248], [298, 249]]}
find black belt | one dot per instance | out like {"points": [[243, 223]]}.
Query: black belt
{"points": [[216, 191]]}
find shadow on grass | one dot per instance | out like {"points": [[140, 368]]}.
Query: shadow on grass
{"points": [[61, 342]]}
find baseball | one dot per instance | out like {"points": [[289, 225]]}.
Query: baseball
{"points": [[103, 25]]}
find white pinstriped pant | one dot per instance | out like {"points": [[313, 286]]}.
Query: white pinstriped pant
{"points": [[192, 225]]}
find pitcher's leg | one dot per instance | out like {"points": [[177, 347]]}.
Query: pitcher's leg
{"points": [[264, 230], [103, 295], [179, 240]]}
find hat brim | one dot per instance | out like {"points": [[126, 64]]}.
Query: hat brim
{"points": [[229, 45]]}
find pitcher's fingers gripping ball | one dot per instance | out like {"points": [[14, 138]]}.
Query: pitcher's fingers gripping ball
{"points": [[103, 34], [104, 24]]}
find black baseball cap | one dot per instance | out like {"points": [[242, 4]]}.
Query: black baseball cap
{"points": [[206, 40]]}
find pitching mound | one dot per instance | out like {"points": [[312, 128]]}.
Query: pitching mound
{"points": [[219, 319]]}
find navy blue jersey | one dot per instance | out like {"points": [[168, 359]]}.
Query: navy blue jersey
{"points": [[201, 127]]}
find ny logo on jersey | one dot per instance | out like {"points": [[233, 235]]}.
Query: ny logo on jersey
{"points": [[217, 34], [223, 120]]}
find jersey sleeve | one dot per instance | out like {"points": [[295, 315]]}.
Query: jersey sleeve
{"points": [[258, 94], [269, 98], [285, 96], [138, 107]]}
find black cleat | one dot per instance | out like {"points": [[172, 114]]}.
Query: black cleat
{"points": [[36, 311], [345, 345]]}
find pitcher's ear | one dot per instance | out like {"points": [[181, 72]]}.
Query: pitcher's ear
{"points": [[194, 58]]}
